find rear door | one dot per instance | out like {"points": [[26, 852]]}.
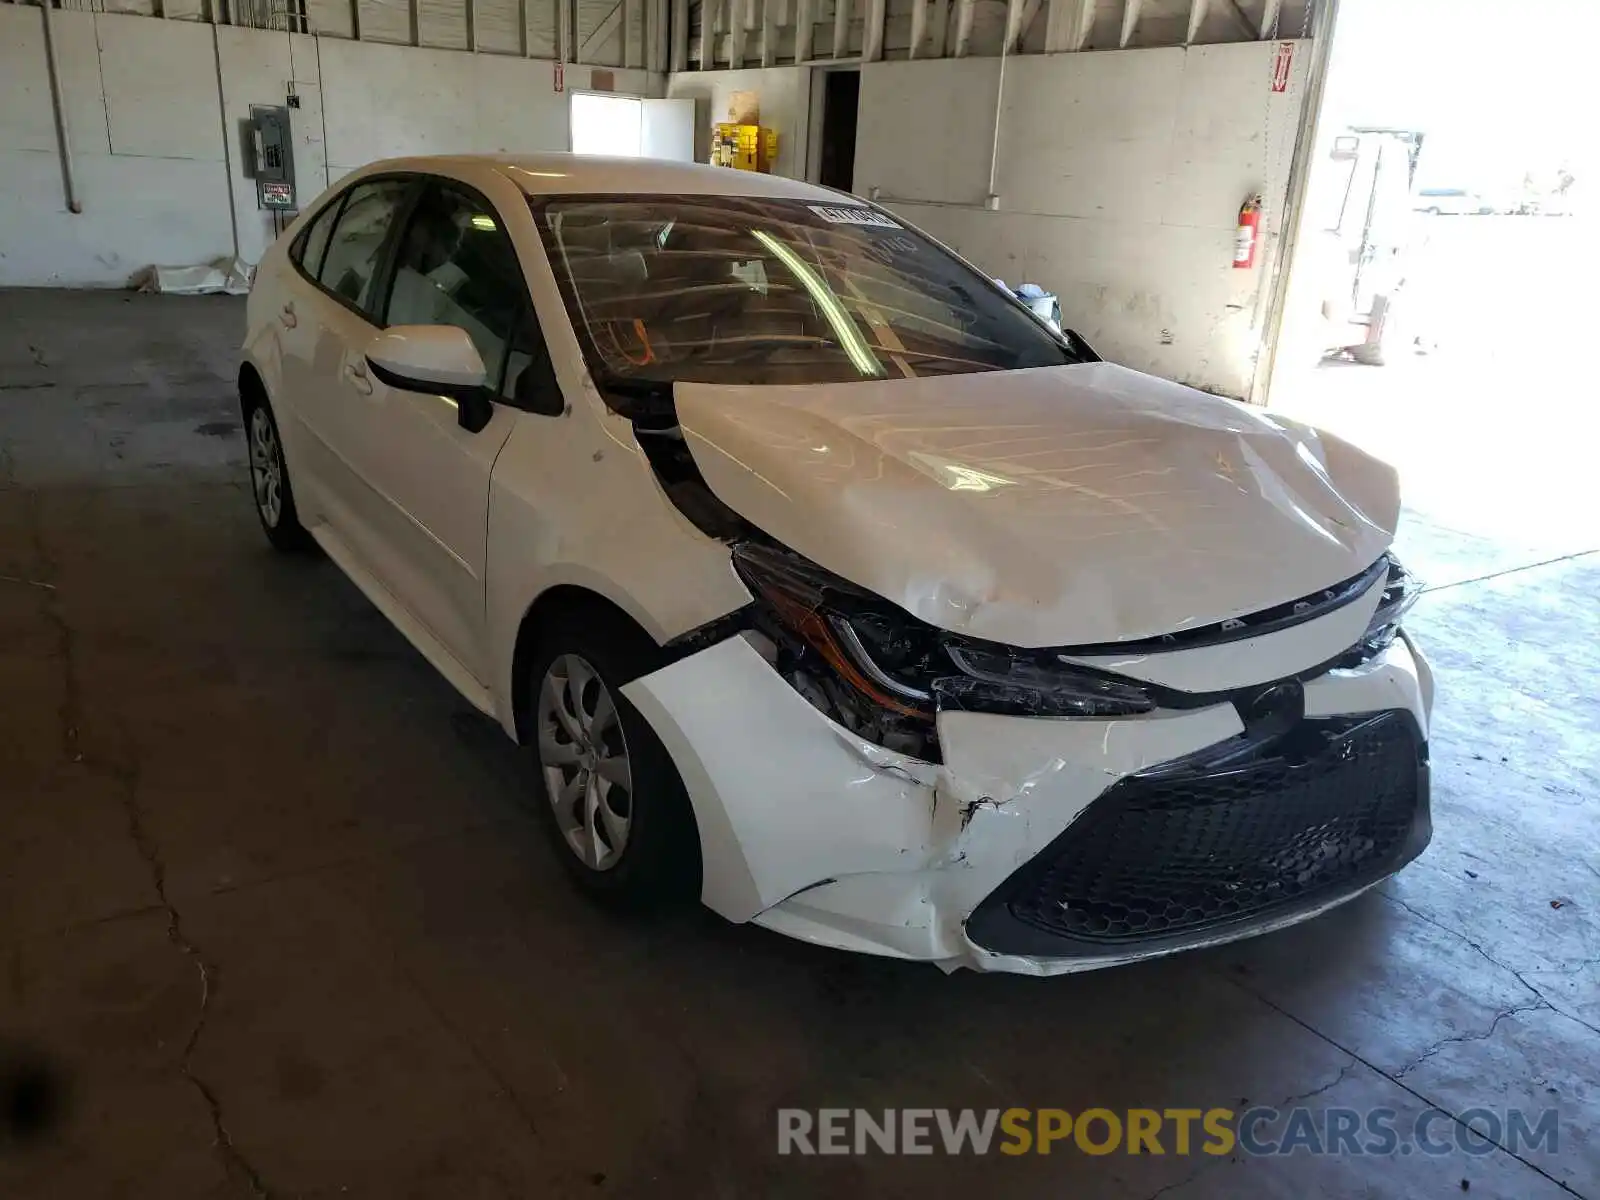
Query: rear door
{"points": [[333, 320], [453, 264], [298, 332]]}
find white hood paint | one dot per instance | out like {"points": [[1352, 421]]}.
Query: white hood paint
{"points": [[1058, 506]]}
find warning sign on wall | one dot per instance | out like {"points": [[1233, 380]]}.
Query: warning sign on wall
{"points": [[1281, 63]]}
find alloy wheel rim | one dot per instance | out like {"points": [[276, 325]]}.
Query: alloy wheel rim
{"points": [[266, 468], [583, 755]]}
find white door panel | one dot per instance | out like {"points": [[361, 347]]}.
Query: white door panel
{"points": [[322, 329], [337, 418], [425, 504], [667, 130], [298, 330], [429, 478], [409, 488]]}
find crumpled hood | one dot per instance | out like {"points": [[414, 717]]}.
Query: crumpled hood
{"points": [[1051, 507]]}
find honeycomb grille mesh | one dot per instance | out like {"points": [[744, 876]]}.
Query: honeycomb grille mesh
{"points": [[1178, 852]]}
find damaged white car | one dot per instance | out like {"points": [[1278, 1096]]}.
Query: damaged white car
{"points": [[818, 576]]}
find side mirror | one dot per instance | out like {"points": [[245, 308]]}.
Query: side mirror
{"points": [[438, 359]]}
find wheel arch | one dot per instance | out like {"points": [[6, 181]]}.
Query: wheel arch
{"points": [[252, 388], [560, 598], [564, 599]]}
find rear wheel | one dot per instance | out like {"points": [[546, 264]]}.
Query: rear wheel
{"points": [[606, 788], [269, 481]]}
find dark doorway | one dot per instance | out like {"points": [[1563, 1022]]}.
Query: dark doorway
{"points": [[841, 94]]}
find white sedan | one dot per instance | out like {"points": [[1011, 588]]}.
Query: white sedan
{"points": [[821, 579]]}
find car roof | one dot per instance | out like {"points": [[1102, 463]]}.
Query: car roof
{"points": [[578, 174]]}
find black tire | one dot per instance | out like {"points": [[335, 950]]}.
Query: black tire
{"points": [[284, 530], [659, 862]]}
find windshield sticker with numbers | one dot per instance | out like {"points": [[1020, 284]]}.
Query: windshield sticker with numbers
{"points": [[840, 215]]}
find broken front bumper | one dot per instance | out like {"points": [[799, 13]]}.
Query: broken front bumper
{"points": [[1043, 845]]}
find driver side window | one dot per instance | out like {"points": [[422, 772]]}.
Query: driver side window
{"points": [[456, 266], [350, 264]]}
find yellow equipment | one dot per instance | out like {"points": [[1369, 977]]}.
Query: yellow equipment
{"points": [[744, 147]]}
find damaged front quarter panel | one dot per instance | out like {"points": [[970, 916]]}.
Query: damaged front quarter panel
{"points": [[788, 800]]}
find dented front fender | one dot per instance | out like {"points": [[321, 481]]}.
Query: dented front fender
{"points": [[789, 803]]}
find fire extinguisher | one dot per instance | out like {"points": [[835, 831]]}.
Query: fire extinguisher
{"points": [[1248, 233]]}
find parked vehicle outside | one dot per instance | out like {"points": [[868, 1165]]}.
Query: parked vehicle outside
{"points": [[1455, 202]]}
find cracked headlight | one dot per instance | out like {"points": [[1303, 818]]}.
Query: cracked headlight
{"points": [[905, 667], [1400, 592]]}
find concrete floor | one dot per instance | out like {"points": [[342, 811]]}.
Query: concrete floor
{"points": [[270, 902]]}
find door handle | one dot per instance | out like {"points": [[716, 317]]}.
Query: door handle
{"points": [[286, 314], [357, 371]]}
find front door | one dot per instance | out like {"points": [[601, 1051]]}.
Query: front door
{"points": [[453, 265]]}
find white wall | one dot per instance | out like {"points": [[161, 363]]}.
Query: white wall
{"points": [[1120, 178], [784, 96], [154, 107], [382, 101], [150, 167], [260, 68]]}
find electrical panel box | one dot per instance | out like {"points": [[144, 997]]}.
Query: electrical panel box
{"points": [[270, 154]]}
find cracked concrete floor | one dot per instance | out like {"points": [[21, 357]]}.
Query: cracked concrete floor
{"points": [[271, 902]]}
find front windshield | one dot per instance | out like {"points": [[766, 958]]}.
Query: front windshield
{"points": [[740, 290]]}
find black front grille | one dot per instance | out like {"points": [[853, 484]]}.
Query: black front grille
{"points": [[1207, 842]]}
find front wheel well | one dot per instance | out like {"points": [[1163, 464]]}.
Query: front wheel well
{"points": [[562, 599], [252, 391]]}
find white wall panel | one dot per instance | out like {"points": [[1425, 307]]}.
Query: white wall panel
{"points": [[160, 81], [162, 196], [784, 96], [944, 105], [1120, 180], [155, 175], [180, 215], [26, 118], [516, 108], [306, 122], [383, 101], [387, 101], [27, 121], [258, 67], [78, 52], [1230, 127]]}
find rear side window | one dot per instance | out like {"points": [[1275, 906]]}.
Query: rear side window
{"points": [[313, 243], [351, 261]]}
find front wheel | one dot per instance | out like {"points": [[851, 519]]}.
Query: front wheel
{"points": [[269, 482], [608, 791]]}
